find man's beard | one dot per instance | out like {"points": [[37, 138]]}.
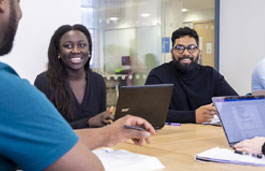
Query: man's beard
{"points": [[10, 33], [185, 67]]}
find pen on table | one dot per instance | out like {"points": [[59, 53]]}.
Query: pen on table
{"points": [[173, 123], [259, 156], [241, 152], [135, 127]]}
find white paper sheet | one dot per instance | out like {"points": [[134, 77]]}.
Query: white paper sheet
{"points": [[120, 160]]}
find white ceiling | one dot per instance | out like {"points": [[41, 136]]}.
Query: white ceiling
{"points": [[192, 5], [196, 5], [132, 9]]}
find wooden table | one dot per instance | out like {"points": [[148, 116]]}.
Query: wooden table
{"points": [[176, 146]]}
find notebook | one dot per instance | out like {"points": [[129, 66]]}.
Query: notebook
{"points": [[222, 155], [242, 117], [150, 102]]}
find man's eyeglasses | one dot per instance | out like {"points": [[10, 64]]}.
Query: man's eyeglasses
{"points": [[181, 48]]}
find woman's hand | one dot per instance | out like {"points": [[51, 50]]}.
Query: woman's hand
{"points": [[102, 119]]}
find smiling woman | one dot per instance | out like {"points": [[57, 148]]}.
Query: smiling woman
{"points": [[74, 50], [77, 92]]}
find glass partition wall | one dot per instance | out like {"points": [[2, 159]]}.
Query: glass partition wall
{"points": [[130, 37]]}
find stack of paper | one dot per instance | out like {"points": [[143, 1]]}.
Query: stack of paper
{"points": [[120, 160], [215, 121], [228, 156]]}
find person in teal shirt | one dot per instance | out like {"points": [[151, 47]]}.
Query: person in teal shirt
{"points": [[28, 131], [33, 135]]}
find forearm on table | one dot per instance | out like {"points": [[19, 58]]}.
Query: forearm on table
{"points": [[94, 137], [83, 123]]}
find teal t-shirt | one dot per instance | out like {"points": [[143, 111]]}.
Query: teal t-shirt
{"points": [[33, 134]]}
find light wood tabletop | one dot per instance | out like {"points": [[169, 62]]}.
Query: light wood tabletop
{"points": [[176, 146]]}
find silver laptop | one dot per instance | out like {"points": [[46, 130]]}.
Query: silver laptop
{"points": [[149, 101], [242, 117]]}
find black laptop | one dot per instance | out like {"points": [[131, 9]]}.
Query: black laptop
{"points": [[242, 117], [149, 101]]}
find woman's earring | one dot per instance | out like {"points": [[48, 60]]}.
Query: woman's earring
{"points": [[59, 56], [89, 55]]}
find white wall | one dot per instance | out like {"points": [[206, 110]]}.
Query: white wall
{"points": [[40, 20], [242, 40]]}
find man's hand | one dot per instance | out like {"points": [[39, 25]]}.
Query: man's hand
{"points": [[101, 119], [205, 113], [253, 145], [118, 134]]}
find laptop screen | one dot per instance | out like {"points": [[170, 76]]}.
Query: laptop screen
{"points": [[242, 117]]}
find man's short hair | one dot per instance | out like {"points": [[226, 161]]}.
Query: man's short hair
{"points": [[184, 31]]}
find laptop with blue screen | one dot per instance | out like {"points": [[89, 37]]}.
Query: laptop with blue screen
{"points": [[242, 117]]}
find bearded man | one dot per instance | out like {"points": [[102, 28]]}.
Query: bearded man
{"points": [[194, 84]]}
